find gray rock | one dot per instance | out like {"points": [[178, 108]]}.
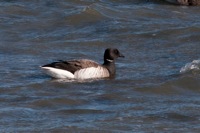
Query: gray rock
{"points": [[185, 2]]}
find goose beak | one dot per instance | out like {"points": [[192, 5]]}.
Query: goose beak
{"points": [[121, 55]]}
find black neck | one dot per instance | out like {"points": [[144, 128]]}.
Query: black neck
{"points": [[110, 65]]}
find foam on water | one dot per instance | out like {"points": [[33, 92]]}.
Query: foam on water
{"points": [[192, 66]]}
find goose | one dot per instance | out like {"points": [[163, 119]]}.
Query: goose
{"points": [[84, 68]]}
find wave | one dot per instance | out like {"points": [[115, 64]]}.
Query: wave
{"points": [[193, 67]]}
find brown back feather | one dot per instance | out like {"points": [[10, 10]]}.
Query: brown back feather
{"points": [[73, 65]]}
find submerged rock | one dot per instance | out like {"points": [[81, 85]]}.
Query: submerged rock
{"points": [[185, 2]]}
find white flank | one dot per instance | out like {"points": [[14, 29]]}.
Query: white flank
{"points": [[91, 72], [57, 73]]}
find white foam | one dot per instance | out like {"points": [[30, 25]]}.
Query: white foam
{"points": [[194, 65]]}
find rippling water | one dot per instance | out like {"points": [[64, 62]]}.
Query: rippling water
{"points": [[149, 94]]}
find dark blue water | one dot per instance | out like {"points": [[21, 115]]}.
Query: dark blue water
{"points": [[149, 93]]}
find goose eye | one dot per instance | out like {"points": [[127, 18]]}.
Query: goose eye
{"points": [[116, 51]]}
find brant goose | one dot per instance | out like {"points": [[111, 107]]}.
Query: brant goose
{"points": [[84, 68]]}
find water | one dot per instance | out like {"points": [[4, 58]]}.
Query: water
{"points": [[149, 94]]}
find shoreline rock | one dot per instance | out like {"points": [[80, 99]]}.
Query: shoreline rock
{"points": [[185, 2]]}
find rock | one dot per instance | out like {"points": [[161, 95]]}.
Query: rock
{"points": [[185, 2]]}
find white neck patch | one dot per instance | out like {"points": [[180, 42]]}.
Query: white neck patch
{"points": [[109, 60]]}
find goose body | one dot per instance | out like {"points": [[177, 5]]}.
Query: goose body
{"points": [[84, 68]]}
